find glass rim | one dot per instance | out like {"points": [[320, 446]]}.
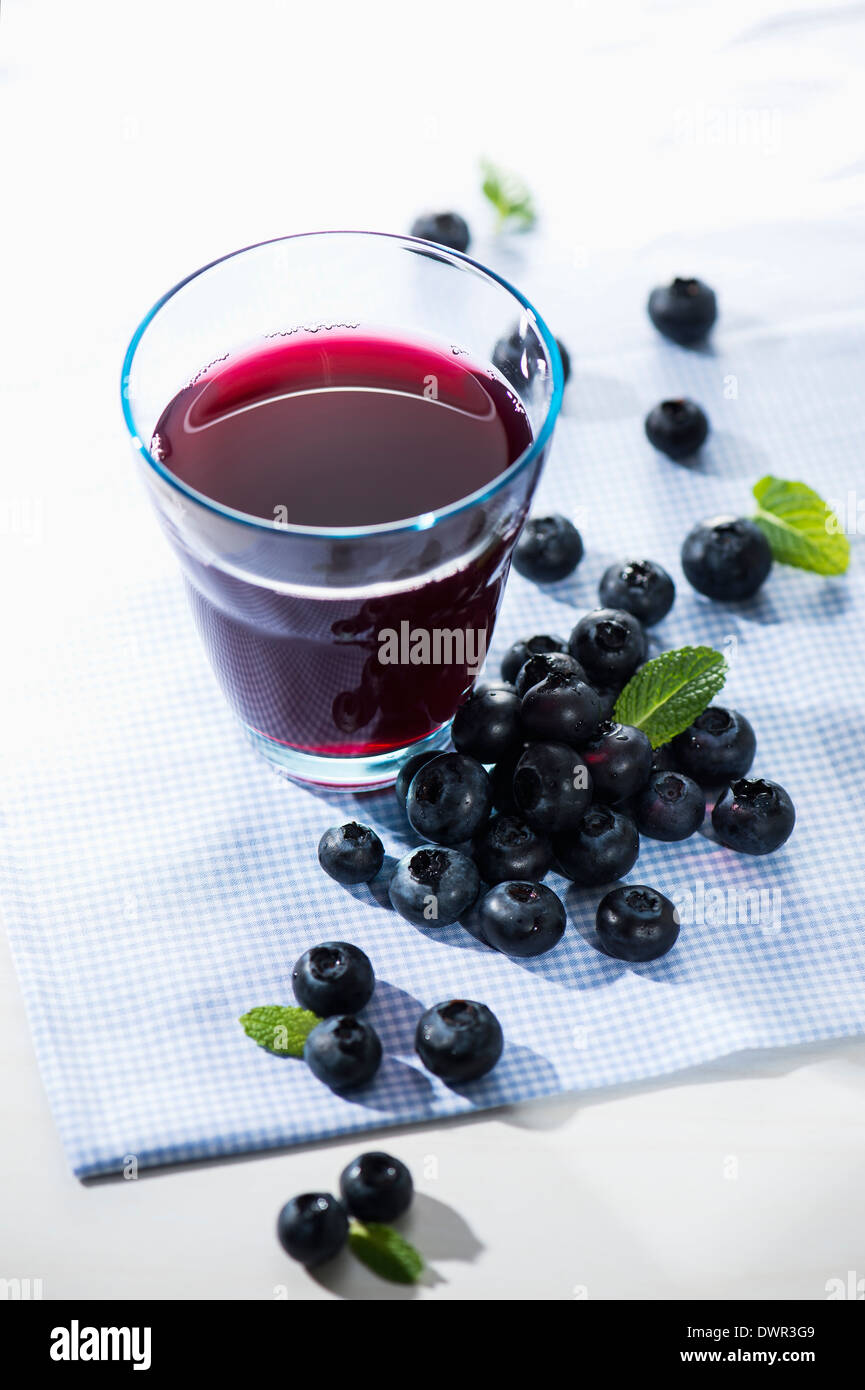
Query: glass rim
{"points": [[428, 520]]}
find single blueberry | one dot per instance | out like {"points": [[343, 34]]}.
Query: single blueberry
{"points": [[544, 664], [445, 228], [636, 923], [343, 1051], [754, 816], [683, 311], [717, 748], [619, 758], [376, 1187], [509, 848], [333, 978], [609, 644], [518, 357], [433, 886], [561, 708], [677, 428], [549, 549], [517, 655], [487, 726], [521, 918], [350, 853], [312, 1228], [566, 360], [552, 787], [670, 807], [459, 1040], [408, 770], [449, 799], [641, 587], [604, 847], [726, 558]]}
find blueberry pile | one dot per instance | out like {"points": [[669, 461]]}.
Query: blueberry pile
{"points": [[314, 1227], [543, 776]]}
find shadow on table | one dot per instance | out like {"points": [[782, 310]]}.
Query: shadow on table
{"points": [[438, 1232]]}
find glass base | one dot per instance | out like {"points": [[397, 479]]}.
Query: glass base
{"points": [[352, 774]]}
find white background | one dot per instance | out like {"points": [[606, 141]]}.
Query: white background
{"points": [[141, 140]]}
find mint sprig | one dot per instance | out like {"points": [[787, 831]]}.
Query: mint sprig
{"points": [[279, 1028], [669, 692], [385, 1252], [800, 527], [509, 196]]}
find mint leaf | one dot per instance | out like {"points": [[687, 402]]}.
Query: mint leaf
{"points": [[668, 693], [385, 1252], [508, 195], [279, 1028], [799, 526]]}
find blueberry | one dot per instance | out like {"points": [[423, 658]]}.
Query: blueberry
{"points": [[604, 847], [376, 1187], [560, 709], [449, 799], [566, 360], [312, 1228], [552, 787], [619, 758], [350, 853], [446, 228], [520, 918], [517, 358], [640, 587], [726, 558], [636, 923], [433, 886], [717, 748], [609, 644], [754, 816], [343, 1052], [683, 311], [678, 428], [537, 667], [670, 807], [508, 848], [408, 770], [487, 726], [333, 978], [517, 655], [502, 779], [459, 1040], [549, 549]]}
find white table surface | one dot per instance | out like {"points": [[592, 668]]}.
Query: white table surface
{"points": [[141, 141]]}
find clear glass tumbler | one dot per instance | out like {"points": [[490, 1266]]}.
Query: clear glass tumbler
{"points": [[292, 616]]}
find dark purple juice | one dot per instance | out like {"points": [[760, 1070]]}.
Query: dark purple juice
{"points": [[341, 429]]}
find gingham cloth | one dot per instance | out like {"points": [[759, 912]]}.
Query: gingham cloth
{"points": [[159, 880]]}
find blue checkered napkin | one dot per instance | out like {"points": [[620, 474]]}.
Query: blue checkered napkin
{"points": [[159, 880]]}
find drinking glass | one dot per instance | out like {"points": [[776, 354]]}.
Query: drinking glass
{"points": [[292, 616]]}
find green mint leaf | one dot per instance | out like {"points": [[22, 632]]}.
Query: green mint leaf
{"points": [[668, 693], [279, 1028], [801, 529], [385, 1252], [509, 196]]}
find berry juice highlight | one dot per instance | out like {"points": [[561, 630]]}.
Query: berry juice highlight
{"points": [[342, 429]]}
